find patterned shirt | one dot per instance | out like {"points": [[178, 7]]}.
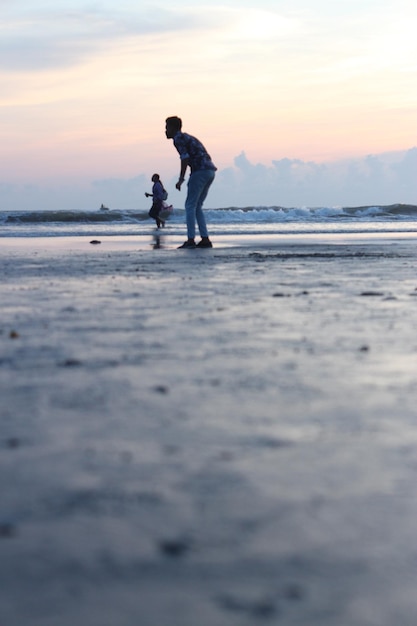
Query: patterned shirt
{"points": [[191, 148]]}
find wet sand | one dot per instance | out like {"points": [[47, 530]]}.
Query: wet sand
{"points": [[217, 437]]}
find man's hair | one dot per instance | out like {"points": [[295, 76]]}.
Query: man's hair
{"points": [[174, 122]]}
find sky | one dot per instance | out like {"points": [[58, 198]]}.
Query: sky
{"points": [[299, 103]]}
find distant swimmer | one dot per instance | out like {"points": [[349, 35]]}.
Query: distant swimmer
{"points": [[104, 208]]}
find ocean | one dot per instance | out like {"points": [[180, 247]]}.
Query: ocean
{"points": [[232, 221]]}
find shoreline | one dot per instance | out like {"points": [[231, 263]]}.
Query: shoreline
{"points": [[170, 242]]}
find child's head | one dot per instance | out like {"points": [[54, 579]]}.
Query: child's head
{"points": [[155, 178]]}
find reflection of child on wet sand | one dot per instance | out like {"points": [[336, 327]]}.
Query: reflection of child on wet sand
{"points": [[158, 195]]}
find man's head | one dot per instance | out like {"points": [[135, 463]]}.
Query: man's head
{"points": [[172, 126]]}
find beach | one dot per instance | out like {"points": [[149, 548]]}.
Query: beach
{"points": [[220, 437]]}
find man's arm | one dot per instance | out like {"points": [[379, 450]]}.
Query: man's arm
{"points": [[184, 165]]}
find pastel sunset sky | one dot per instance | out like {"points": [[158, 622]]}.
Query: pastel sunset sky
{"points": [[298, 102]]}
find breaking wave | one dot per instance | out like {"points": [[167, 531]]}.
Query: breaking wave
{"points": [[231, 219]]}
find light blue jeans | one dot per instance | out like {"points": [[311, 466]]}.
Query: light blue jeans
{"points": [[198, 186]]}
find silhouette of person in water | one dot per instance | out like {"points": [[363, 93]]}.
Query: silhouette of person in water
{"points": [[193, 155], [158, 195]]}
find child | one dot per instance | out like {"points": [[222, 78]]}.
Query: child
{"points": [[158, 195]]}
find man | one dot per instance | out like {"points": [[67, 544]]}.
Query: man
{"points": [[193, 155]]}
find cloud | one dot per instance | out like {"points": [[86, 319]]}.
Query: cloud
{"points": [[382, 179], [118, 192], [51, 36], [35, 40], [375, 179]]}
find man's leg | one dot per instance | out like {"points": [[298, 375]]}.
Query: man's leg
{"points": [[198, 186], [201, 220]]}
